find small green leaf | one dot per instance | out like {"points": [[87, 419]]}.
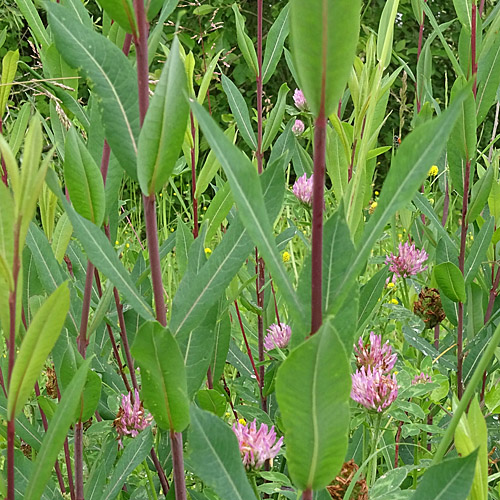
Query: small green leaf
{"points": [[219, 207], [9, 68], [312, 389], [164, 388], [450, 281], [121, 11], [386, 32], [210, 400], [162, 133], [477, 253], [275, 119], [274, 43], [215, 456], [83, 179], [244, 41], [40, 338]]}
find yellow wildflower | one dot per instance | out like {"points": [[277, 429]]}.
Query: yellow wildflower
{"points": [[242, 421], [376, 193], [128, 245], [373, 206], [286, 256], [390, 284], [208, 251], [117, 242], [394, 301], [434, 170]]}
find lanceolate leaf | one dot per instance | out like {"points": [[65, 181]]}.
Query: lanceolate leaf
{"points": [[450, 281], [240, 112], [112, 75], [478, 250], [9, 68], [164, 387], [56, 433], [324, 34], [83, 179], [312, 389], [121, 11], [215, 456], [162, 133], [274, 43], [39, 341], [247, 193], [409, 168]]}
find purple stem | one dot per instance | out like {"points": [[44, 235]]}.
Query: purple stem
{"points": [[419, 50], [307, 495], [4, 168], [193, 180], [275, 302], [481, 8], [141, 43], [473, 47]]}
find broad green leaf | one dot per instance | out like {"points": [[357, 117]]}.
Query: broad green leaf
{"points": [[244, 41], [312, 389], [210, 400], [56, 433], [324, 35], [134, 453], [40, 338], [240, 112], [463, 8], [121, 11], [477, 253], [449, 480], [419, 149], [274, 44], [162, 133], [112, 75], [164, 388], [215, 456], [95, 483], [9, 68], [386, 32], [275, 119], [83, 179], [450, 281], [247, 193]]}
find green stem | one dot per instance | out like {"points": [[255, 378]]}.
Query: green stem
{"points": [[253, 482], [150, 480], [372, 471], [406, 295]]}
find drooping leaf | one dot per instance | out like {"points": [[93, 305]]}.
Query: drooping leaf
{"points": [[312, 389], [164, 388], [324, 35], [450, 281]]}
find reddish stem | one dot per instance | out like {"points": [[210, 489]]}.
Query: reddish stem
{"points": [[275, 303], [4, 168], [473, 46], [419, 51], [249, 352], [307, 495], [193, 179]]}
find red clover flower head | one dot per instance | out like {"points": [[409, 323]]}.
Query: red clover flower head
{"points": [[298, 127], [374, 354], [299, 100], [408, 262], [373, 389], [277, 336], [131, 418], [303, 189], [256, 446]]}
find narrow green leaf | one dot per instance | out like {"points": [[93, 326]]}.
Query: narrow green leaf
{"points": [[19, 129], [312, 389], [215, 456], [83, 179], [275, 119], [324, 35], [62, 237], [9, 68], [31, 15], [386, 32], [244, 41], [40, 338], [450, 281], [488, 76], [207, 78], [450, 480], [162, 133], [480, 193], [369, 295], [135, 452], [477, 253], [164, 388], [184, 239], [274, 43], [113, 77], [240, 112], [56, 433], [219, 207], [494, 201], [247, 193]]}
